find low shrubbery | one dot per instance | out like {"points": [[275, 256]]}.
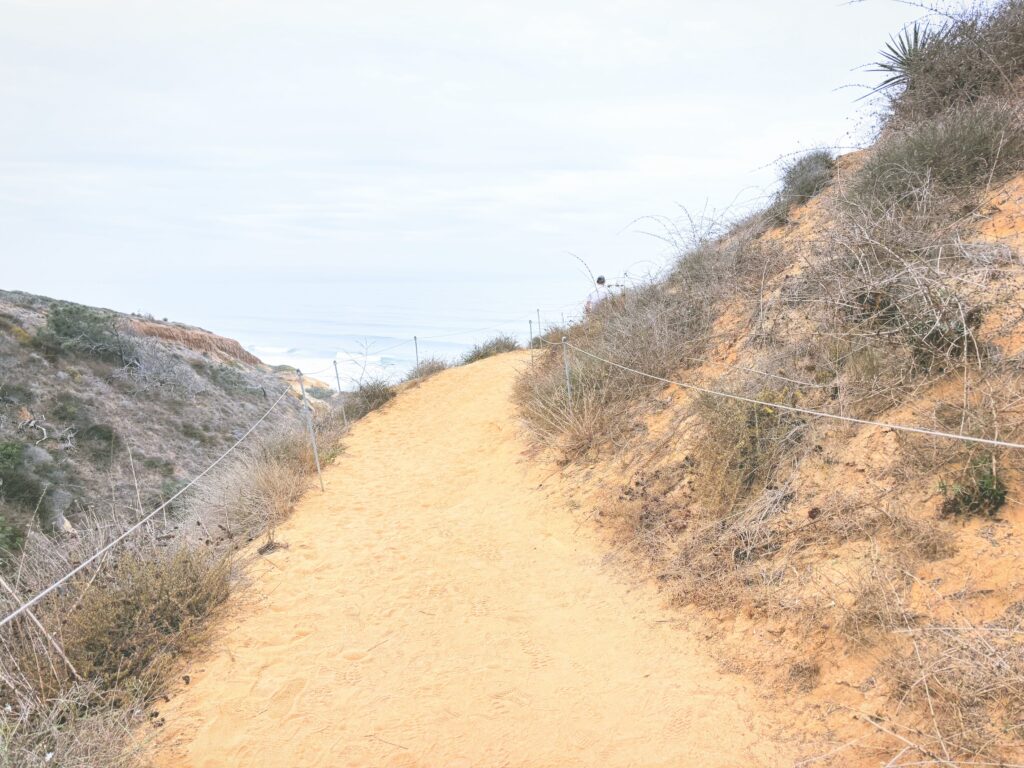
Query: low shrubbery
{"points": [[503, 342], [426, 368], [369, 395], [123, 621], [802, 179], [948, 155], [960, 59], [76, 328]]}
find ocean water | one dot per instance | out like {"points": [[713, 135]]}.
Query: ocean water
{"points": [[375, 328], [365, 324]]}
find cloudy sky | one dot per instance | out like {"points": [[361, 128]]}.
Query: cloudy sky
{"points": [[172, 156]]}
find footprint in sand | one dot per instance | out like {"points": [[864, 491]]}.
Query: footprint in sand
{"points": [[284, 699]]}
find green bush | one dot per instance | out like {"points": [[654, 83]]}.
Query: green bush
{"points": [[981, 492], [744, 445], [503, 342], [74, 328], [956, 152]]}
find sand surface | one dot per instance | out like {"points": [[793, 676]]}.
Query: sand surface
{"points": [[438, 607]]}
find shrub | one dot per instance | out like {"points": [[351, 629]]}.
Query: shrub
{"points": [[503, 342], [976, 53], [980, 492], [953, 153], [368, 396], [11, 536], [744, 445], [101, 442], [141, 613], [802, 179], [75, 328], [18, 485], [426, 368], [320, 393]]}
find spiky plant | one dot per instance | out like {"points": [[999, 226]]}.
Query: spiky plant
{"points": [[900, 56]]}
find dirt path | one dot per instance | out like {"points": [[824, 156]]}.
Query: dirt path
{"points": [[436, 608]]}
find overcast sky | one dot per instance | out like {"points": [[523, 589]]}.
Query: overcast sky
{"points": [[147, 148]]}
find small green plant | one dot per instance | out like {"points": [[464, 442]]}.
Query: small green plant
{"points": [[503, 342], [66, 408], [980, 494], [164, 466], [745, 446], [18, 394]]}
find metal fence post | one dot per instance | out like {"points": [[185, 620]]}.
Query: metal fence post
{"points": [[416, 343], [309, 423], [568, 381], [540, 330], [337, 378]]}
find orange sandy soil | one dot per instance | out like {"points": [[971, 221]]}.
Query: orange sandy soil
{"points": [[440, 606]]}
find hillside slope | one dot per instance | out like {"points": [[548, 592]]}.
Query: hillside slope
{"points": [[82, 388], [438, 606]]}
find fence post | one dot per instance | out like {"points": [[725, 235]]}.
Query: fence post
{"points": [[531, 342], [337, 378], [568, 381], [309, 423], [540, 330], [416, 343]]}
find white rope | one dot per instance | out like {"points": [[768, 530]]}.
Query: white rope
{"points": [[63, 579], [806, 411]]}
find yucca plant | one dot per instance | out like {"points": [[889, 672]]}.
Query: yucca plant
{"points": [[900, 56]]}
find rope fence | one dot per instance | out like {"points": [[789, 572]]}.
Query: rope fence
{"points": [[533, 341], [783, 407], [27, 604]]}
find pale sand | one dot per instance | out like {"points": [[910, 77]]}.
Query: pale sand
{"points": [[437, 608]]}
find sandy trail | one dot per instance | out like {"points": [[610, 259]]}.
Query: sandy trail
{"points": [[436, 608]]}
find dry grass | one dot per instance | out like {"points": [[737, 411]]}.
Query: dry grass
{"points": [[122, 624], [969, 679], [426, 368], [500, 344]]}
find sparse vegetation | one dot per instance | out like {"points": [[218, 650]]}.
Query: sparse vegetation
{"points": [[320, 393], [895, 307], [949, 155], [369, 395], [426, 368], [963, 58], [75, 328], [496, 346], [802, 179], [981, 492], [123, 623]]}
